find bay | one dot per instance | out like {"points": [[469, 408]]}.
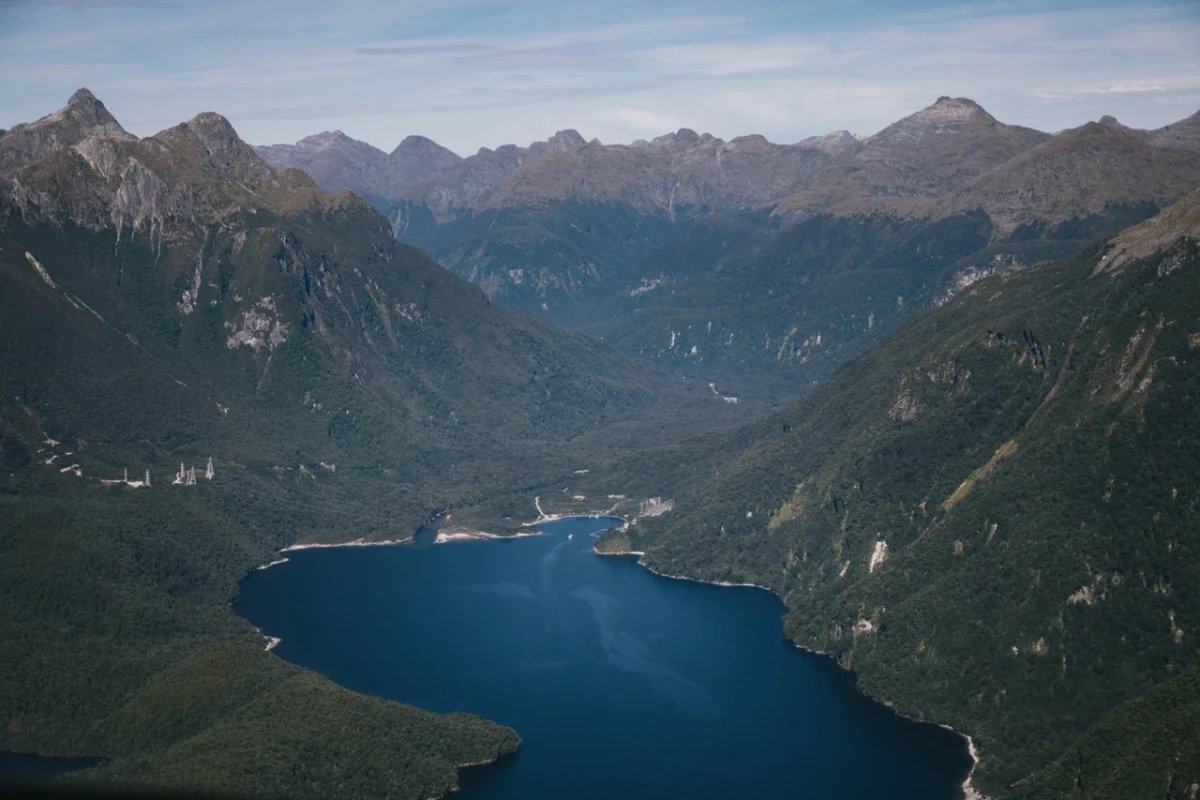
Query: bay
{"points": [[621, 683]]}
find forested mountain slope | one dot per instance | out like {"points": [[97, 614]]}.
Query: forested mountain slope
{"points": [[174, 299], [990, 516]]}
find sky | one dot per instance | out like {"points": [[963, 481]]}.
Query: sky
{"points": [[481, 73]]}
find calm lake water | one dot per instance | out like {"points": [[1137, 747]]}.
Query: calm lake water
{"points": [[621, 683]]}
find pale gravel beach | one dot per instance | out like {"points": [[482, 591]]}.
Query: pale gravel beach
{"points": [[466, 535]]}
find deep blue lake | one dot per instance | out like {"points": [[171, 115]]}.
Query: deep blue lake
{"points": [[621, 683]]}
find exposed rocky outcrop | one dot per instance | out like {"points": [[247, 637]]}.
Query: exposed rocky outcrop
{"points": [[81, 117], [1178, 222]]}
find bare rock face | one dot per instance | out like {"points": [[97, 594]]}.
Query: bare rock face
{"points": [[414, 160], [560, 142], [947, 116], [81, 117], [1181, 135]]}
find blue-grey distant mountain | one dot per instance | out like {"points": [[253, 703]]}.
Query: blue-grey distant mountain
{"points": [[337, 162]]}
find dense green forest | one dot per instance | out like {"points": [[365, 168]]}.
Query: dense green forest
{"points": [[1148, 746], [990, 517]]}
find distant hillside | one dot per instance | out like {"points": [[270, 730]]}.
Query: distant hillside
{"points": [[768, 325]]}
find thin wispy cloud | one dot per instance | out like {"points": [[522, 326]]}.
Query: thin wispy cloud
{"points": [[418, 49], [471, 73]]}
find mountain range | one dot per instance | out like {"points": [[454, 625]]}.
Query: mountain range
{"points": [[334, 159], [603, 238]]}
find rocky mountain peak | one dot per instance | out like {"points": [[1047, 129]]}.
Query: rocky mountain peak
{"points": [[1112, 123], [564, 141], [338, 161], [88, 110], [947, 116], [752, 140], [914, 161], [1079, 174], [683, 136], [568, 139], [834, 143], [81, 117], [212, 127], [953, 107], [326, 139], [415, 143], [1097, 130], [211, 142]]}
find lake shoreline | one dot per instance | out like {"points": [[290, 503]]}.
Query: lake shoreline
{"points": [[969, 790], [291, 548], [556, 517], [447, 535]]}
